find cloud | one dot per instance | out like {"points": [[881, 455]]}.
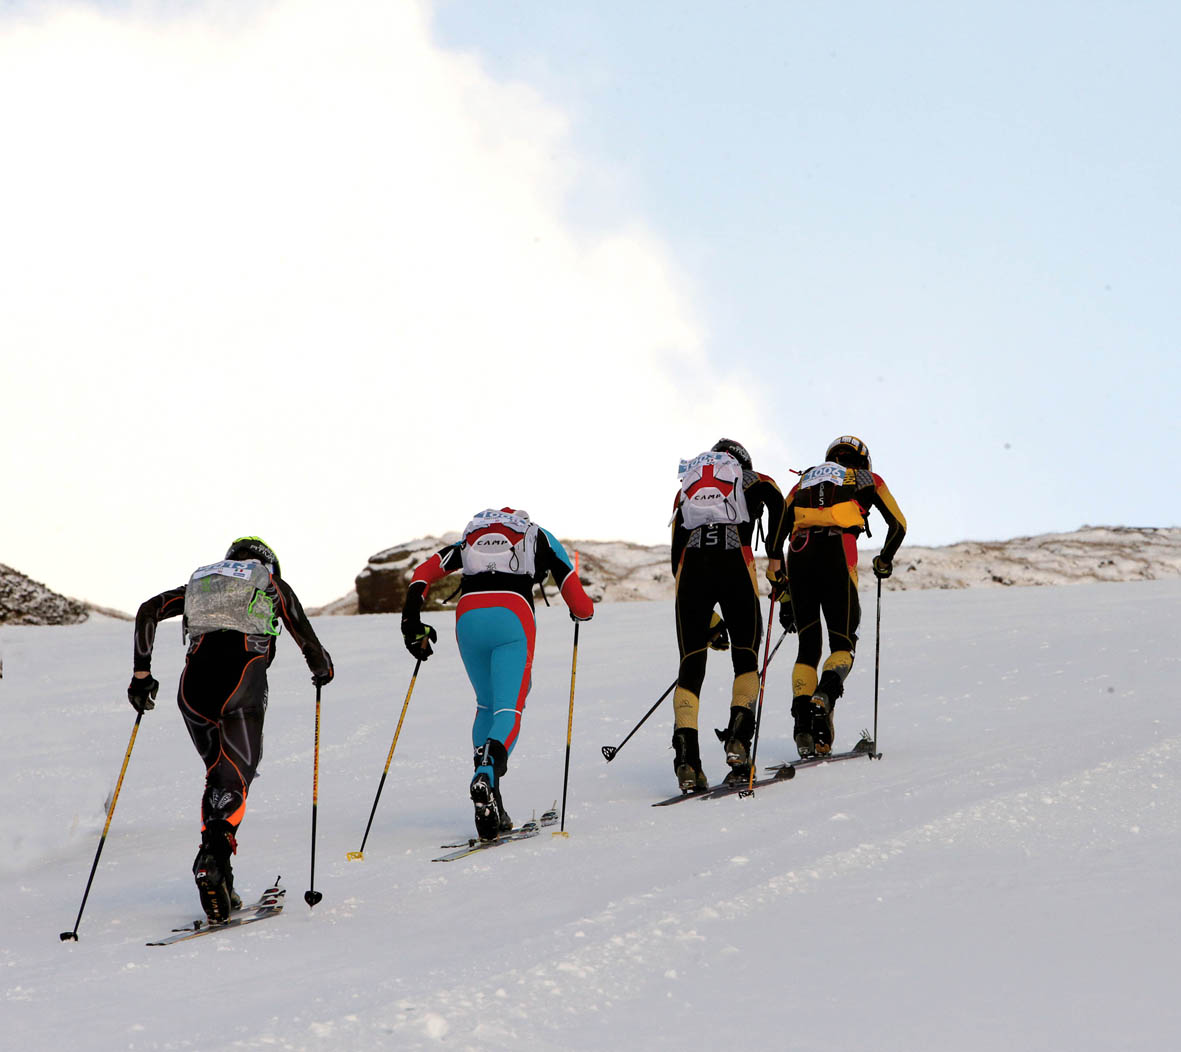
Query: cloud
{"points": [[292, 268]]}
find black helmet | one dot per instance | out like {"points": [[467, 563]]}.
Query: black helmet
{"points": [[849, 451], [254, 548], [736, 449]]}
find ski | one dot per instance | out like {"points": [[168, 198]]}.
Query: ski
{"points": [[725, 789], [865, 747], [528, 830], [269, 905], [548, 818]]}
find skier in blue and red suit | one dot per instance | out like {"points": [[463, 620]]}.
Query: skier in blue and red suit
{"points": [[502, 555]]}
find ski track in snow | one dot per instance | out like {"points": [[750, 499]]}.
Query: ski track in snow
{"points": [[1006, 873], [1068, 814]]}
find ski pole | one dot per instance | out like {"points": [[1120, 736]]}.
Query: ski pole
{"points": [[358, 856], [68, 935], [311, 896], [877, 664], [754, 752], [569, 732], [609, 751]]}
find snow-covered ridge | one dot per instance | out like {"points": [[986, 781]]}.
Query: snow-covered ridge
{"points": [[620, 571]]}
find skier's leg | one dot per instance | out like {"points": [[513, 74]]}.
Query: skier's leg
{"points": [[739, 602], [805, 601], [693, 608]]}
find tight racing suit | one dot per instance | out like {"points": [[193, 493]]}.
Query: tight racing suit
{"points": [[713, 566], [826, 513], [223, 690], [495, 629]]}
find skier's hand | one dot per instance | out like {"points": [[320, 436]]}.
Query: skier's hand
{"points": [[418, 638], [719, 638], [787, 616], [141, 692], [779, 586], [322, 671], [882, 568], [575, 617]]}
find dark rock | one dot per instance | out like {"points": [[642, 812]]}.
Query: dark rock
{"points": [[24, 601]]}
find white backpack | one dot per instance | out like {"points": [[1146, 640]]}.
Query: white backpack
{"points": [[711, 491], [500, 542]]}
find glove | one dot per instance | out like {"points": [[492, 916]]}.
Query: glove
{"points": [[142, 692], [719, 638], [779, 586], [575, 617], [418, 638], [787, 616], [322, 673], [882, 568]]}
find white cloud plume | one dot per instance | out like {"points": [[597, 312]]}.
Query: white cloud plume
{"points": [[294, 269]]}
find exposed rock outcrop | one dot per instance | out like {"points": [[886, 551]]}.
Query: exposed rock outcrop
{"points": [[619, 571], [24, 601]]}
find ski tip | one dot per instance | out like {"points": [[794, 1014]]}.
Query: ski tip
{"points": [[355, 856]]}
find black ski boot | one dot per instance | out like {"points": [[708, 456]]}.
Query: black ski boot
{"points": [[803, 712], [491, 759], [487, 812], [824, 701], [687, 761], [737, 739], [506, 823], [212, 872]]}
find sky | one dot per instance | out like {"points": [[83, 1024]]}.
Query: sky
{"points": [[342, 275]]}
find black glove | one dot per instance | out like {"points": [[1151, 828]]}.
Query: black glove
{"points": [[719, 638], [142, 692], [779, 588], [787, 616], [575, 617], [323, 671], [882, 568], [418, 638]]}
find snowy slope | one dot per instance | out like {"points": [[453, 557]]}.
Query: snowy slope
{"points": [[1007, 873]]}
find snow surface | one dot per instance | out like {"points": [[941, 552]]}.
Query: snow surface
{"points": [[1008, 874]]}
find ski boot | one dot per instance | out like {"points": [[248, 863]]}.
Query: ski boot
{"points": [[491, 761], [506, 823], [803, 712], [483, 795], [687, 761], [212, 872], [737, 739], [824, 700]]}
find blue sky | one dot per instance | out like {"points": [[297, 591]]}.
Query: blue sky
{"points": [[342, 276]]}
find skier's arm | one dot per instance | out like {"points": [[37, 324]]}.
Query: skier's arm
{"points": [[292, 614], [778, 537], [445, 561], [680, 538], [416, 636], [151, 613], [884, 501], [552, 557], [768, 492]]}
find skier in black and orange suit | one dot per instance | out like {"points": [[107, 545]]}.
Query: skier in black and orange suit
{"points": [[233, 611], [720, 500], [826, 511]]}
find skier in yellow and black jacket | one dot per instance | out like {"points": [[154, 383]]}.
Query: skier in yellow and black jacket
{"points": [[826, 512]]}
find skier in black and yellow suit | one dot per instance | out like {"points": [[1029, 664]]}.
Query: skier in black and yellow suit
{"points": [[826, 511], [720, 500]]}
